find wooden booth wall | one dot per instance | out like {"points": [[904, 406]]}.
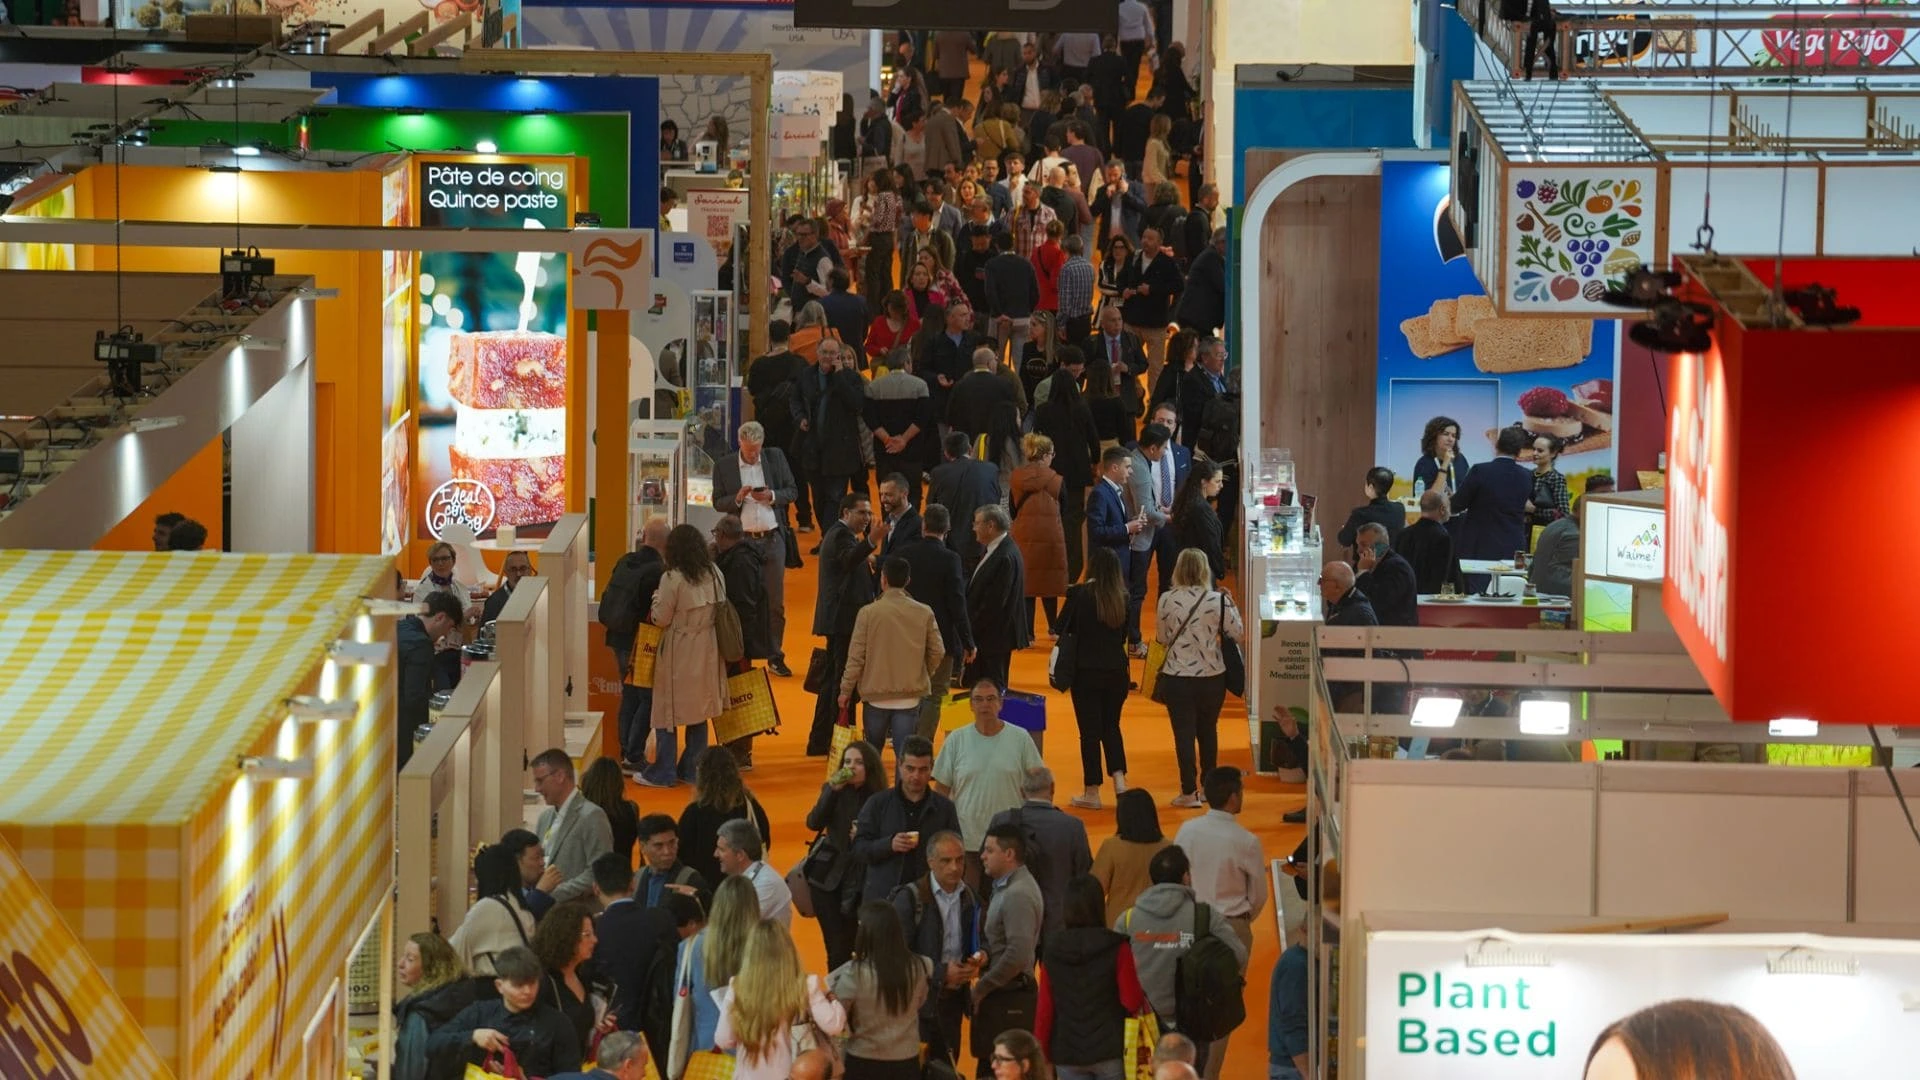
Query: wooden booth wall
{"points": [[1319, 300]]}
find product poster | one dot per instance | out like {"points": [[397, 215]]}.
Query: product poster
{"points": [[1488, 1006], [1444, 353], [58, 203], [492, 342], [396, 487]]}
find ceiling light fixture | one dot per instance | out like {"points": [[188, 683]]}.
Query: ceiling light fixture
{"points": [[311, 707], [487, 146], [1545, 717], [274, 768], [1793, 727]]}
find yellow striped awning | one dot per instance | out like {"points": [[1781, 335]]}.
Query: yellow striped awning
{"points": [[121, 581]]}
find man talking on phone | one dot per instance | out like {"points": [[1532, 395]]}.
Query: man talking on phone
{"points": [[1386, 577], [758, 484]]}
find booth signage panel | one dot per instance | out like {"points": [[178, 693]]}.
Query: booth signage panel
{"points": [[61, 1016], [714, 212], [1286, 681], [1626, 542], [1444, 352], [1432, 1014], [492, 340], [1102, 16], [1840, 42], [1571, 232]]}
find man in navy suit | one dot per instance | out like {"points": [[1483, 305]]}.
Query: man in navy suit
{"points": [[997, 607], [1170, 470], [1112, 519], [633, 940], [845, 587], [1491, 506]]}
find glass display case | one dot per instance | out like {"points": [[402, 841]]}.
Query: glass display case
{"points": [[653, 471], [1282, 573]]}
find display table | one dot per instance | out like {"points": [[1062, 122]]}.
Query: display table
{"points": [[1476, 611]]}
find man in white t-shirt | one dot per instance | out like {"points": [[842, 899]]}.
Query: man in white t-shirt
{"points": [[1136, 37], [980, 768]]}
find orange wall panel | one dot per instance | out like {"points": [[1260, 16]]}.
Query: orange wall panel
{"points": [[193, 491]]}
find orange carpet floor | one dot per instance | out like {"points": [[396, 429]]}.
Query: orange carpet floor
{"points": [[787, 783]]}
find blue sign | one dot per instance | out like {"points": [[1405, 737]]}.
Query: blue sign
{"points": [[683, 251], [1443, 352]]}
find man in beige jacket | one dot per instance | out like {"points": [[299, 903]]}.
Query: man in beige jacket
{"points": [[896, 648]]}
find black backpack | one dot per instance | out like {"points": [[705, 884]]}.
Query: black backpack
{"points": [[1209, 1001], [620, 601]]}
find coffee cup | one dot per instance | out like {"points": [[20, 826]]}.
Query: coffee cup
{"points": [[913, 837]]}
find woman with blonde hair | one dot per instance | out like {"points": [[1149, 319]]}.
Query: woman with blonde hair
{"points": [[763, 1005], [711, 957], [690, 687], [436, 989], [1039, 532], [1158, 166], [1096, 615], [1191, 620]]}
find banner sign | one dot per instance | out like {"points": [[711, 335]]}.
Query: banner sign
{"points": [[1099, 16], [1445, 355], [1488, 1005], [60, 1016]]}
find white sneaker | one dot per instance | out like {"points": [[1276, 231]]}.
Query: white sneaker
{"points": [[1189, 801], [1090, 800], [1119, 782]]}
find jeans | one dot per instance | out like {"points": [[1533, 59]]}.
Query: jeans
{"points": [[666, 756], [636, 705], [773, 573], [893, 725], [1283, 1070], [938, 691], [1097, 699], [1193, 704], [1104, 1070]]}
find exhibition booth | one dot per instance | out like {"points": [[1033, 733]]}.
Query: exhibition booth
{"points": [[238, 713]]}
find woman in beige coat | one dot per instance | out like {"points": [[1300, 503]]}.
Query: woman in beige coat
{"points": [[690, 682]]}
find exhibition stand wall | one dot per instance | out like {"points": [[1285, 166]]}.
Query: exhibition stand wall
{"points": [[454, 795], [229, 736]]}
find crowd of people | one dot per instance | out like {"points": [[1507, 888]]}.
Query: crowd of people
{"points": [[1020, 946]]}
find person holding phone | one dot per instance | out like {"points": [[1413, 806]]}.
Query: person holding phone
{"points": [[1386, 577]]}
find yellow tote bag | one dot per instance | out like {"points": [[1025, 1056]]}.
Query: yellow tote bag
{"points": [[843, 737], [1156, 659], [646, 651], [708, 1065], [956, 712], [751, 709], [1142, 1035]]}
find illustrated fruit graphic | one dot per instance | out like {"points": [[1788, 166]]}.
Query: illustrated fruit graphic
{"points": [[1566, 288], [1599, 204], [1595, 291], [1525, 223]]}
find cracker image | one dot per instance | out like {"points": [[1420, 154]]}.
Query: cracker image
{"points": [[1467, 312], [1420, 339], [1503, 346], [1592, 440], [1440, 322]]}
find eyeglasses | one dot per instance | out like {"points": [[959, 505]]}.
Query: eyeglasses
{"points": [[1004, 1059]]}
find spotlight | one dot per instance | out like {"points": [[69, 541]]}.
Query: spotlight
{"points": [[1816, 307], [362, 653], [124, 352], [1545, 717], [487, 146], [1793, 727], [243, 272], [273, 768], [1435, 712], [246, 151], [309, 707], [1675, 326]]}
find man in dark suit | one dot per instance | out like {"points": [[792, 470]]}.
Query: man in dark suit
{"points": [[1492, 502], [632, 938], [1344, 605], [1379, 508], [417, 636], [1386, 578], [1112, 82], [827, 410], [1113, 341], [757, 484], [1112, 520], [1169, 470], [950, 356], [899, 522], [1428, 546], [975, 395], [846, 586], [997, 604], [1203, 303], [962, 485], [771, 384], [938, 582], [846, 313], [1135, 128], [1205, 381], [516, 565]]}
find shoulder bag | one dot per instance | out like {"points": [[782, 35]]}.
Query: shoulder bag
{"points": [[726, 625], [1157, 656], [680, 1029], [1230, 655], [1066, 650]]}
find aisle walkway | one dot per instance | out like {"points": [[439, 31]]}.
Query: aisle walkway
{"points": [[787, 783]]}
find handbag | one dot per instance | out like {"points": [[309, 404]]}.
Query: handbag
{"points": [[843, 737], [1066, 653], [646, 651], [726, 627], [1230, 655], [1157, 655], [792, 542], [797, 886], [824, 866], [1142, 1035], [751, 707], [680, 1027], [499, 1065], [819, 666]]}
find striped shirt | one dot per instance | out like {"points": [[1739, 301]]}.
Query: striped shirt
{"points": [[1030, 229], [1076, 288]]}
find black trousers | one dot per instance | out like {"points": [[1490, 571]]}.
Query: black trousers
{"points": [[1135, 566], [1097, 699], [826, 707], [987, 664], [859, 1068], [1193, 705], [1537, 32], [803, 495], [826, 496], [1073, 519], [836, 926], [1133, 52], [941, 1030]]}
